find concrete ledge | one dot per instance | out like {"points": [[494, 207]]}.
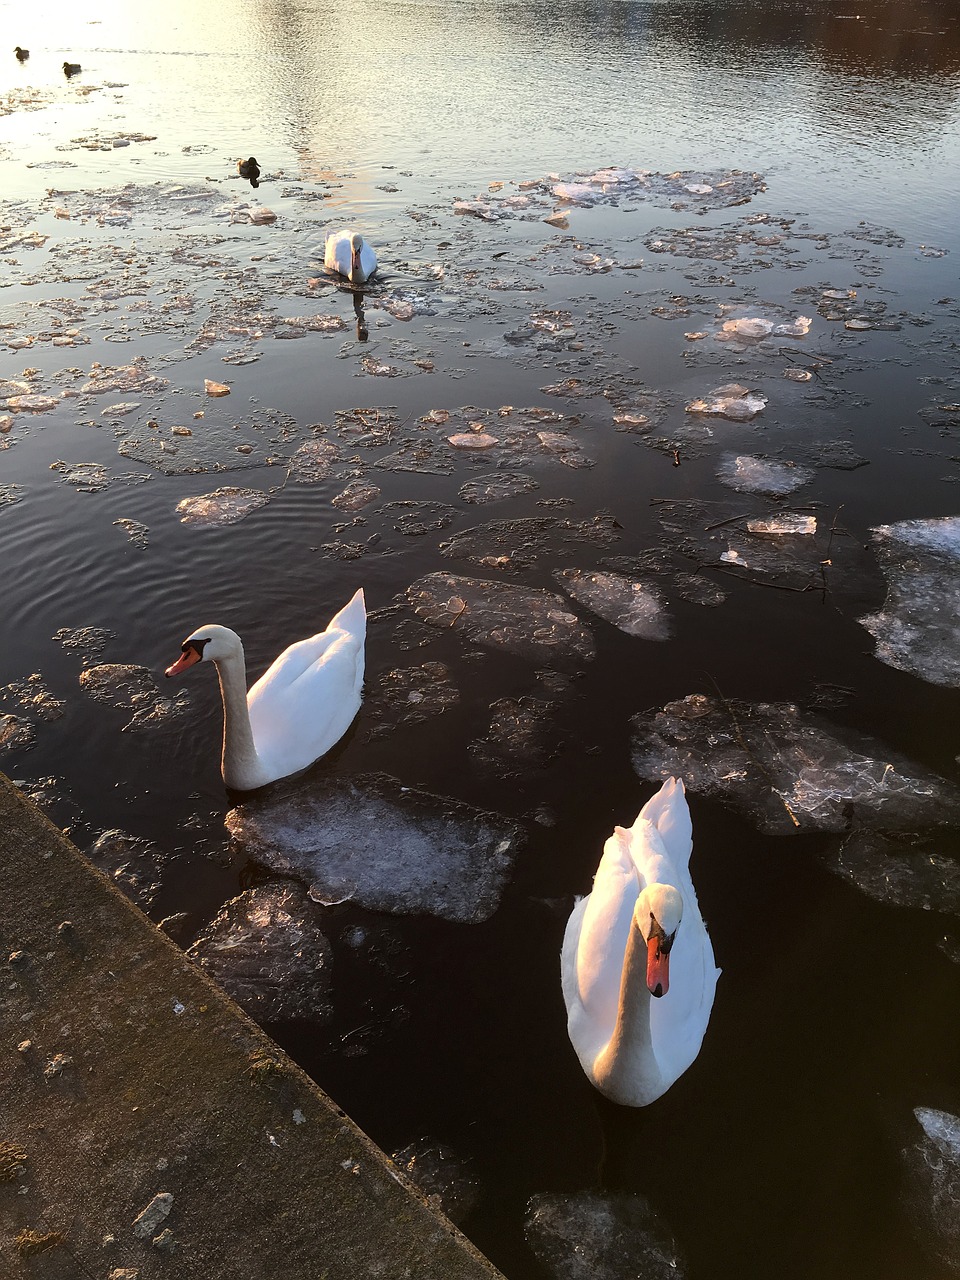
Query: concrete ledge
{"points": [[126, 1075]]}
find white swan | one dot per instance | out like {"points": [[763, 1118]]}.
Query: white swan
{"points": [[349, 254], [637, 965], [298, 709]]}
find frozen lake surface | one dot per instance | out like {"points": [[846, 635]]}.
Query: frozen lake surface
{"points": [[643, 444]]}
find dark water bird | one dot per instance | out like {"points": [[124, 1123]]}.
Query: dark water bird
{"points": [[22, 54], [249, 169], [71, 69]]}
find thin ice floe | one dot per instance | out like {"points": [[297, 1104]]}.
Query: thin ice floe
{"points": [[521, 737], [371, 841], [918, 628], [133, 864], [901, 869], [407, 696], [749, 474], [223, 506], [442, 1175], [16, 733], [536, 625], [788, 773], [132, 688], [634, 607], [931, 1187], [518, 544], [599, 1235], [267, 952], [731, 401]]}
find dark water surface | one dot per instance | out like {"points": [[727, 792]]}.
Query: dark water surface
{"points": [[828, 135]]}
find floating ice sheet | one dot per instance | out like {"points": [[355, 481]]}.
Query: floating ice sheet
{"points": [[918, 628], [931, 1186], [132, 688], [133, 864], [518, 544], [535, 625], [441, 1175], [223, 506], [372, 841], [595, 1235], [749, 474], [496, 487], [409, 696], [521, 737], [730, 401], [787, 772], [902, 870], [633, 607], [267, 952]]}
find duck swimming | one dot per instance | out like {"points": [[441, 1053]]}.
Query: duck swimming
{"points": [[71, 69], [300, 707], [249, 169], [637, 967], [22, 54]]}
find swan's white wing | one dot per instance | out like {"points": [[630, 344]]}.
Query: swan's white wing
{"points": [[307, 699], [595, 940]]}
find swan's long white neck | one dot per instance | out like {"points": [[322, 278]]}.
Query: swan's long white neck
{"points": [[626, 1069], [240, 764]]}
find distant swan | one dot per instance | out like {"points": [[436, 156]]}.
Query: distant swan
{"points": [[299, 708], [349, 254], [637, 965]]}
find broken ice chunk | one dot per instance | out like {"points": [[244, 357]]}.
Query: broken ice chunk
{"points": [[536, 625], [132, 688], [223, 506], [631, 606], [902, 870], [749, 327], [918, 628], [788, 523], [786, 772], [749, 474], [931, 1186], [441, 1175], [600, 1235], [265, 949], [388, 847], [730, 401]]}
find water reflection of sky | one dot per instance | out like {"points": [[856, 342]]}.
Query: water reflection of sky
{"points": [[833, 103]]}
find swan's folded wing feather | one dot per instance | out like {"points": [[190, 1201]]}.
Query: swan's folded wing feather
{"points": [[605, 927]]}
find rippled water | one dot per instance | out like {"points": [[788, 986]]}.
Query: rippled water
{"points": [[828, 136]]}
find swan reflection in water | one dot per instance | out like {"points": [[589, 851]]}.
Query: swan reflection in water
{"points": [[637, 965], [362, 332]]}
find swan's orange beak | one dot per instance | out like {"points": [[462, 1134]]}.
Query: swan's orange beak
{"points": [[186, 659], [658, 966]]}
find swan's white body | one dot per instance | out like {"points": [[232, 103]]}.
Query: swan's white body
{"points": [[347, 253], [299, 708], [631, 1044]]}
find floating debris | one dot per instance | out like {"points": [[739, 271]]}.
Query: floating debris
{"points": [[215, 388], [385, 846], [91, 641], [32, 696], [917, 630], [222, 507], [533, 624], [267, 952], [788, 773]]}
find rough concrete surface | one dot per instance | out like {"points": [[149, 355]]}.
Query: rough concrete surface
{"points": [[149, 1129]]}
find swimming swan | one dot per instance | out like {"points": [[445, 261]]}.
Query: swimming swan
{"points": [[348, 253], [298, 709], [637, 965]]}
